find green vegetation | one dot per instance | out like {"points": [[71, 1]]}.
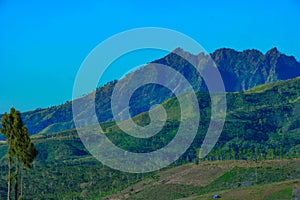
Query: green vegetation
{"points": [[64, 169], [21, 151], [261, 131], [202, 181], [259, 125]]}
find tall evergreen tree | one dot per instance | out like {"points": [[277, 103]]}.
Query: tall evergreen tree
{"points": [[21, 150], [6, 130]]}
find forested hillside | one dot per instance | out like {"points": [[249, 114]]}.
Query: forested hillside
{"points": [[261, 124]]}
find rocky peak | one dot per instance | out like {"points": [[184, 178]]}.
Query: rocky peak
{"points": [[273, 52]]}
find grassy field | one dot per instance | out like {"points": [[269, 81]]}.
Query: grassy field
{"points": [[273, 191], [272, 179]]}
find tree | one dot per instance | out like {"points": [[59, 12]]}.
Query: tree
{"points": [[21, 150], [6, 130], [25, 150]]}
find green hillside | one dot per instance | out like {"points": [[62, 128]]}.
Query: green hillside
{"points": [[256, 147], [260, 123]]}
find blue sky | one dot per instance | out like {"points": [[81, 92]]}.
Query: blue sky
{"points": [[43, 43]]}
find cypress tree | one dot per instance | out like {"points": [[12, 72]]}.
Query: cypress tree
{"points": [[7, 131], [20, 149]]}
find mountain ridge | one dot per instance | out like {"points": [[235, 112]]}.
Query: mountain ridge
{"points": [[240, 70]]}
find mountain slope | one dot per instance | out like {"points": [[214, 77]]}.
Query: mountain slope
{"points": [[261, 124], [260, 120], [244, 70], [239, 70]]}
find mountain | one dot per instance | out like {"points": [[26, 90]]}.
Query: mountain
{"points": [[244, 70], [239, 70], [258, 153]]}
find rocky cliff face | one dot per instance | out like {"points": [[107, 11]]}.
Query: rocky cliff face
{"points": [[239, 70], [246, 69]]}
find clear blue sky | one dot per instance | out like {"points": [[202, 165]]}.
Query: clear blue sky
{"points": [[43, 43]]}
